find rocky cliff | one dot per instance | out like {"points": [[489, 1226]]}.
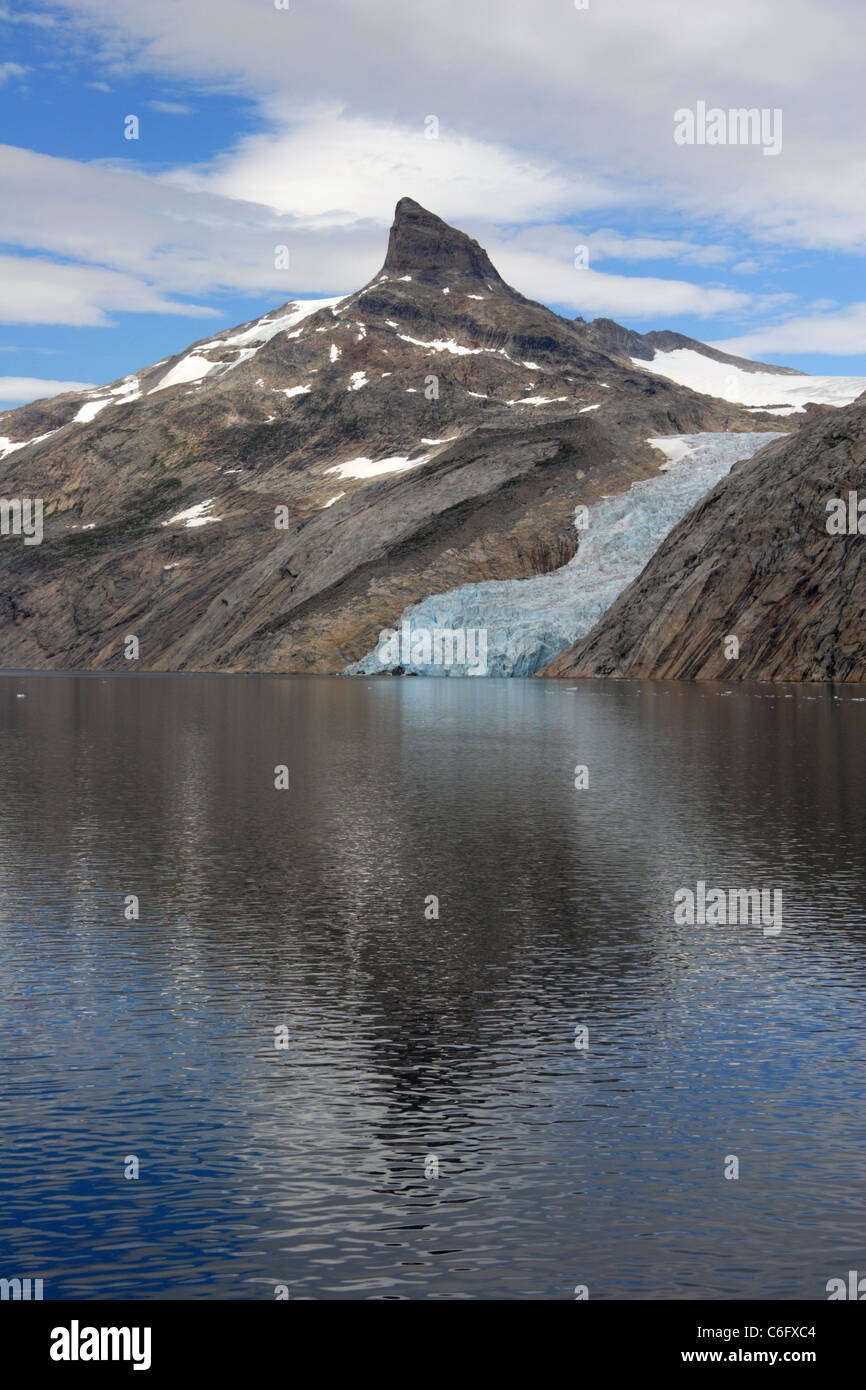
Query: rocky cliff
{"points": [[755, 562]]}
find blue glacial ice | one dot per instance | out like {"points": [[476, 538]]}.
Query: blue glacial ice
{"points": [[527, 622]]}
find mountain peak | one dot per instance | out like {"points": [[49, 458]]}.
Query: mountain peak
{"points": [[421, 244]]}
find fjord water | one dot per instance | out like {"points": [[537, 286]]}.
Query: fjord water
{"points": [[411, 1038]]}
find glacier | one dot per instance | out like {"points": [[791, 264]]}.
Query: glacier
{"points": [[529, 621]]}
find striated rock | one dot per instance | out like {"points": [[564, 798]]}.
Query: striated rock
{"points": [[753, 560]]}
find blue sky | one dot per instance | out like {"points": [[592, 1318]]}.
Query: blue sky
{"points": [[261, 127]]}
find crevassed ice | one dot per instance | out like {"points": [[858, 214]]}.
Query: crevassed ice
{"points": [[529, 621]]}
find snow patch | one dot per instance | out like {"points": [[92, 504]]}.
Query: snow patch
{"points": [[536, 400], [777, 394], [194, 516], [7, 447], [370, 468], [128, 390], [443, 345], [195, 366]]}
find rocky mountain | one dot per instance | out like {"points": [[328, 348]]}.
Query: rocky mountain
{"points": [[758, 386], [773, 556], [272, 497], [612, 337]]}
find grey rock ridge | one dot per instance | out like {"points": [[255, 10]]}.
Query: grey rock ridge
{"points": [[755, 560], [433, 428], [608, 336]]}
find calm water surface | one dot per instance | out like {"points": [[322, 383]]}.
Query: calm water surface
{"points": [[411, 1037]]}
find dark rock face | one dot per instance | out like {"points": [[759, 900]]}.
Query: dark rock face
{"points": [[422, 245], [435, 428], [608, 336], [753, 560]]}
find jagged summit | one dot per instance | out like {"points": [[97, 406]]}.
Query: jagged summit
{"points": [[422, 245]]}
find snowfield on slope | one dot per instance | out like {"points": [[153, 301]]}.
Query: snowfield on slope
{"points": [[529, 621], [788, 394], [195, 366]]}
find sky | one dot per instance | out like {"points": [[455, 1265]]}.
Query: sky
{"points": [[547, 129]]}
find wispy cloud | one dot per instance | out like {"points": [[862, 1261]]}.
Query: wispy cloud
{"points": [[33, 17], [10, 70], [841, 333], [171, 108], [33, 388]]}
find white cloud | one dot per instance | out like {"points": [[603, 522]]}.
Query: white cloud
{"points": [[167, 239], [160, 238], [33, 290], [614, 245], [40, 21], [533, 103], [10, 70], [344, 169], [840, 334], [598, 88], [171, 108], [591, 292], [33, 388]]}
